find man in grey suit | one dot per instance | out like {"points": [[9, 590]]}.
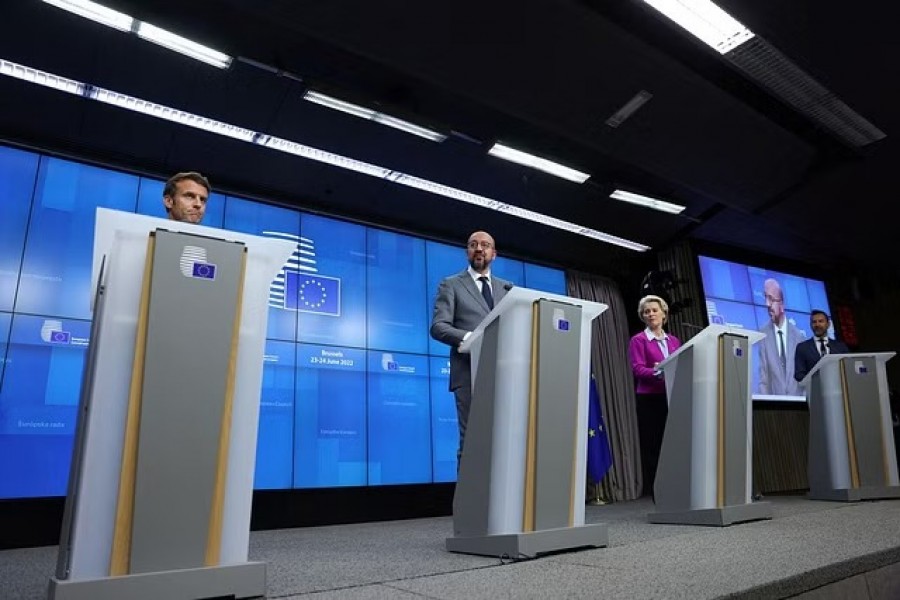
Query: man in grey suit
{"points": [[463, 301], [777, 350]]}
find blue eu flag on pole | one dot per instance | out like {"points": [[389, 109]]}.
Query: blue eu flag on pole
{"points": [[599, 456]]}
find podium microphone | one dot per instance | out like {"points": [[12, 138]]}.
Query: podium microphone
{"points": [[692, 326]]}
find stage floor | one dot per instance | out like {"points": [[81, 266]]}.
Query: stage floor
{"points": [[806, 546]]}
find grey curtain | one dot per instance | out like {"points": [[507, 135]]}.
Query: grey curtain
{"points": [[681, 261], [612, 371]]}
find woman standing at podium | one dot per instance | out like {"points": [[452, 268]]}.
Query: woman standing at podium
{"points": [[646, 350]]}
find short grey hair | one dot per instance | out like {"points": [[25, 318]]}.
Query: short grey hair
{"points": [[651, 298]]}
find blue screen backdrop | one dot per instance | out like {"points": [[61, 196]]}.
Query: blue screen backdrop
{"points": [[56, 269], [735, 297], [354, 390], [18, 170]]}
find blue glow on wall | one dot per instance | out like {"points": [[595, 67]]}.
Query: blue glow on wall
{"points": [[354, 391]]}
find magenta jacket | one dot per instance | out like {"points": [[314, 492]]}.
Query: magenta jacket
{"points": [[644, 354]]}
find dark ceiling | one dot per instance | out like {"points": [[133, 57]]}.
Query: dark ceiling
{"points": [[542, 75]]}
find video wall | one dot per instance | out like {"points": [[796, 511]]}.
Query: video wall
{"points": [[354, 391], [757, 299]]}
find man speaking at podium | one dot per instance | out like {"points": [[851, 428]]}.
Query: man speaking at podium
{"points": [[810, 351], [463, 301], [185, 197]]}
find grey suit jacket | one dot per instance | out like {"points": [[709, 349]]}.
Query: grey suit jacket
{"points": [[458, 309], [772, 380]]}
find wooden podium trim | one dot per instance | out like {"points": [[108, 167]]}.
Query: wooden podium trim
{"points": [[848, 425], [216, 514], [885, 449], [720, 433], [574, 478], [531, 440], [120, 555]]}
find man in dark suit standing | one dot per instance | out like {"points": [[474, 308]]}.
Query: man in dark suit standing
{"points": [[809, 352], [463, 301]]}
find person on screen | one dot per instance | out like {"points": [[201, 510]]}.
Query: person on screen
{"points": [[185, 197], [463, 301], [777, 350], [810, 351], [646, 350]]}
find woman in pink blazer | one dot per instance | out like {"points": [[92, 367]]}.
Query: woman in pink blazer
{"points": [[646, 350]]}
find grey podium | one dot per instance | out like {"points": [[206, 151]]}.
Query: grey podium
{"points": [[705, 469], [521, 483], [851, 438], [159, 496]]}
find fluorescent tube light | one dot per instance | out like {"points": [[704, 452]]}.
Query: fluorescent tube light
{"points": [[524, 213], [408, 127], [536, 162], [712, 25], [372, 115], [151, 33], [17, 71], [171, 114], [322, 156], [175, 42], [95, 12], [516, 211], [647, 201], [181, 117], [335, 104]]}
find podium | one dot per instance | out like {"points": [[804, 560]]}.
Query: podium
{"points": [[520, 490], [161, 482], [851, 440], [705, 465]]}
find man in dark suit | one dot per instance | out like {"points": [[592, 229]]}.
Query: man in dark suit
{"points": [[809, 352], [463, 301]]}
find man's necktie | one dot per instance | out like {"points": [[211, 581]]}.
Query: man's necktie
{"points": [[823, 349], [486, 291], [781, 349]]}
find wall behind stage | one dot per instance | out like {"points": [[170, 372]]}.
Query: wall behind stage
{"points": [[354, 390]]}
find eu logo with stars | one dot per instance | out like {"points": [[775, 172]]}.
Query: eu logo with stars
{"points": [[316, 294]]}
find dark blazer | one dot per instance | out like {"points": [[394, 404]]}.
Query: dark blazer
{"points": [[459, 308], [807, 355]]}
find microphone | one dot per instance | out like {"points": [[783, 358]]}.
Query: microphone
{"points": [[692, 326], [507, 286]]}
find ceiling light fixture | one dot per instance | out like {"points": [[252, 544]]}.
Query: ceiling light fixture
{"points": [[702, 18], [372, 115], [181, 117], [630, 107], [536, 162], [146, 31], [95, 12], [17, 71], [170, 114], [175, 42], [647, 201]]}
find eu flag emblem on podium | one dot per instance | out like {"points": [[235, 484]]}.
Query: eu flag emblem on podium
{"points": [[599, 456]]}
